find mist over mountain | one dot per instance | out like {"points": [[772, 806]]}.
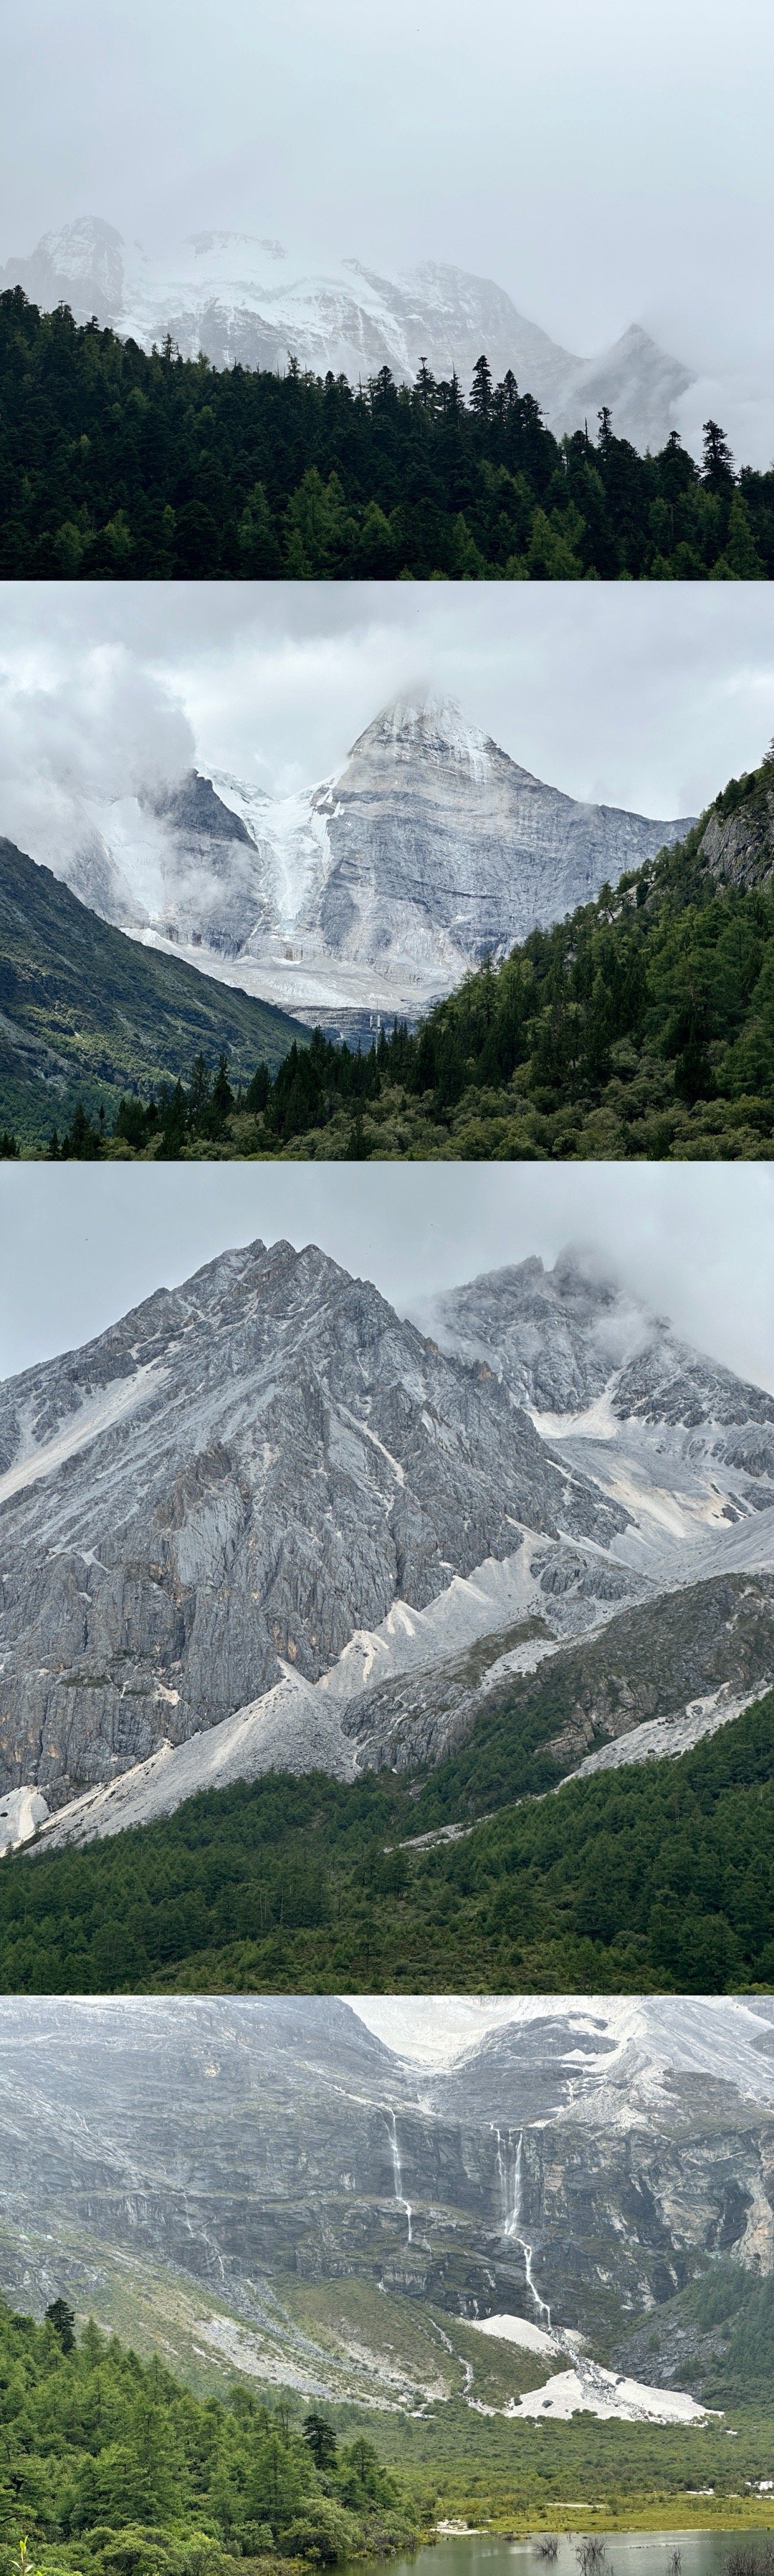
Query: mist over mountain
{"points": [[375, 890], [233, 296]]}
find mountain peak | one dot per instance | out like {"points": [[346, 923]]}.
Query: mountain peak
{"points": [[425, 722]]}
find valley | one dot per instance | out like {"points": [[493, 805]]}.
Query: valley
{"points": [[272, 2196], [635, 1028], [369, 895]]}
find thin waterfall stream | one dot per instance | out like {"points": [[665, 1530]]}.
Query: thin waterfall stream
{"points": [[512, 2218], [397, 2172]]}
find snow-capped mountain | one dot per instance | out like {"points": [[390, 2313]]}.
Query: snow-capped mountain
{"points": [[238, 298], [263, 1523], [375, 890], [682, 1443]]}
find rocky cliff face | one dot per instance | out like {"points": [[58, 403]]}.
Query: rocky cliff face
{"points": [[737, 845], [651, 1679], [429, 806], [225, 1486], [589, 2158], [626, 1400], [234, 296], [431, 849], [260, 1522]]}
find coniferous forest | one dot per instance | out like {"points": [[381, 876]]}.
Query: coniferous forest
{"points": [[108, 2463], [119, 465], [654, 1878], [112, 2466]]}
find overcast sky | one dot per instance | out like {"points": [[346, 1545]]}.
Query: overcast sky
{"points": [[83, 1243], [603, 163], [648, 696]]}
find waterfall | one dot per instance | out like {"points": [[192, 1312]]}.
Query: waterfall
{"points": [[501, 2177], [397, 2173], [513, 2227]]}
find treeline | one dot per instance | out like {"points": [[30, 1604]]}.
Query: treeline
{"points": [[111, 2457], [641, 1026], [657, 1877], [117, 465]]}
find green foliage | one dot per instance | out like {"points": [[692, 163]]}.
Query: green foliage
{"points": [[656, 1877], [92, 1026], [112, 2456], [62, 2318], [633, 2476], [117, 466]]}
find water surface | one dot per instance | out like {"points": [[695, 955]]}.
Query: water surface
{"points": [[627, 2553]]}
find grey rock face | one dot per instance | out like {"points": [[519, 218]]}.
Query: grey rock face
{"points": [[245, 2141], [653, 1661], [738, 848], [430, 850], [428, 807], [213, 897], [226, 299], [621, 1393], [226, 1485]]}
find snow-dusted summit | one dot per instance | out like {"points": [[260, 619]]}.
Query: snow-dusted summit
{"points": [[375, 890], [239, 298], [679, 1441], [261, 1522]]}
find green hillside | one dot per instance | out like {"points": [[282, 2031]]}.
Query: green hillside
{"points": [[112, 2466], [116, 465], [87, 1015], [658, 1877], [119, 2467]]}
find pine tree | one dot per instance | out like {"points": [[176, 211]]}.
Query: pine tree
{"points": [[62, 2318], [718, 462], [321, 2439], [481, 389]]}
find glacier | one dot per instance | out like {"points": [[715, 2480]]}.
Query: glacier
{"points": [[373, 892]]}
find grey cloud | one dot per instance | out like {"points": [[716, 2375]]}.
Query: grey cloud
{"points": [[695, 1240], [604, 165], [645, 696], [90, 728]]}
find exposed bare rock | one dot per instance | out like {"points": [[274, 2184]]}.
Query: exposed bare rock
{"points": [[227, 1484]]}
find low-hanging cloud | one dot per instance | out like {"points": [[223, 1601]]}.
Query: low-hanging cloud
{"points": [[73, 742]]}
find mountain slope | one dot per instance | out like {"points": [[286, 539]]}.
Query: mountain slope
{"points": [[224, 1487], [431, 849], [261, 1523], [227, 298], [654, 1879], [575, 2170], [685, 1441], [639, 1027], [86, 1015]]}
